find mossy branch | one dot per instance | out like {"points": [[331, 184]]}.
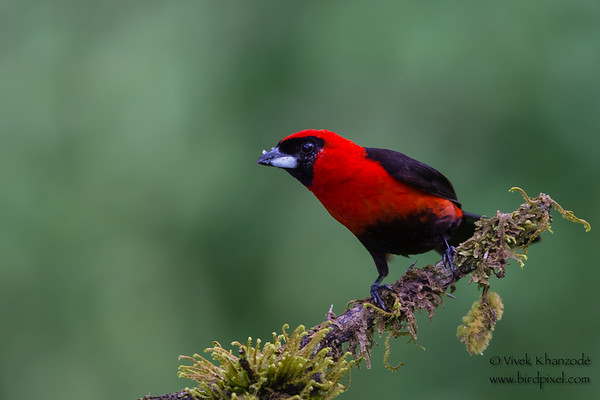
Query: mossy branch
{"points": [[311, 363]]}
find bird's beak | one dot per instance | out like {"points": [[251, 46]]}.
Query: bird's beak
{"points": [[275, 158]]}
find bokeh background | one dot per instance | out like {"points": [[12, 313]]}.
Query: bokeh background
{"points": [[135, 225]]}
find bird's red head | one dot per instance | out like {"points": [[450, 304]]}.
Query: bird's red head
{"points": [[299, 152]]}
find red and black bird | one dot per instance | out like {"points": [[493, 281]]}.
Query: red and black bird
{"points": [[392, 203]]}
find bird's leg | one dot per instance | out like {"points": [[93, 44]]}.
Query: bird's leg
{"points": [[375, 288], [382, 267], [448, 256]]}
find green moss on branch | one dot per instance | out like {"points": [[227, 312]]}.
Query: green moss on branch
{"points": [[283, 369]]}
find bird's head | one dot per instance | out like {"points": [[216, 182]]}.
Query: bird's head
{"points": [[298, 153]]}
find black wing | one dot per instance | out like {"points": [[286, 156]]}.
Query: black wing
{"points": [[414, 173]]}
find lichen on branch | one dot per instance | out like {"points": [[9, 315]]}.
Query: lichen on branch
{"points": [[476, 331], [309, 364]]}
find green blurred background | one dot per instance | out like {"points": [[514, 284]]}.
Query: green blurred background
{"points": [[135, 225]]}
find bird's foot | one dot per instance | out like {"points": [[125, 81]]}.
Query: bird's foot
{"points": [[448, 256], [376, 296]]}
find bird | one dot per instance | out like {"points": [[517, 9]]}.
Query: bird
{"points": [[393, 204]]}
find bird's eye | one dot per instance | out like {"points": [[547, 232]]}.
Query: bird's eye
{"points": [[307, 147]]}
